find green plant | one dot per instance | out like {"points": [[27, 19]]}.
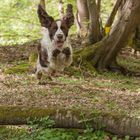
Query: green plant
{"points": [[43, 123]]}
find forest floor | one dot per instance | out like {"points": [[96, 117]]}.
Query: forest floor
{"points": [[78, 88], [107, 92]]}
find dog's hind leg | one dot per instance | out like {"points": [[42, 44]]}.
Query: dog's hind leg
{"points": [[38, 75], [38, 72], [43, 75]]}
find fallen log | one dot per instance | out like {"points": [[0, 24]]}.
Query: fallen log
{"points": [[72, 118]]}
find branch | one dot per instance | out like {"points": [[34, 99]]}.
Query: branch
{"points": [[113, 13]]}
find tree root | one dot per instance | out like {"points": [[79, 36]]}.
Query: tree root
{"points": [[115, 67], [121, 70]]}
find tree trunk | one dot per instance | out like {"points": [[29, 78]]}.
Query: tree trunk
{"points": [[88, 20], [94, 25], [136, 39], [121, 125], [99, 5], [82, 17], [118, 37]]}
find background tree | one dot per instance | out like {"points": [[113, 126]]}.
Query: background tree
{"points": [[104, 56], [113, 14], [82, 17], [88, 18]]}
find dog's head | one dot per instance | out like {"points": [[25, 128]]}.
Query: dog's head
{"points": [[58, 29]]}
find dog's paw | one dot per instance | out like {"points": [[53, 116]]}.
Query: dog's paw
{"points": [[67, 51], [39, 75], [55, 52]]}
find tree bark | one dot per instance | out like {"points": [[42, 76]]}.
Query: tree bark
{"points": [[121, 8], [136, 39], [71, 118], [99, 5], [94, 24], [88, 20], [82, 17], [113, 13]]}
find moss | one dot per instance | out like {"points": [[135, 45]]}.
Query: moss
{"points": [[10, 114], [83, 58], [19, 68], [130, 41], [84, 53], [83, 69], [20, 115], [73, 71], [88, 67], [33, 59]]}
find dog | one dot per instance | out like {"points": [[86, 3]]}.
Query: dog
{"points": [[54, 51]]}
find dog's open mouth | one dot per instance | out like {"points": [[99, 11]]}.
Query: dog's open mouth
{"points": [[59, 43]]}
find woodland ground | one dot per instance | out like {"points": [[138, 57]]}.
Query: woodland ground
{"points": [[108, 92]]}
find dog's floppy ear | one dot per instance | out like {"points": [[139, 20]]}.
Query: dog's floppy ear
{"points": [[44, 18], [69, 17]]}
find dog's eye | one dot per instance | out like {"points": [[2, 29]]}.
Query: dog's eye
{"points": [[63, 28], [55, 27]]}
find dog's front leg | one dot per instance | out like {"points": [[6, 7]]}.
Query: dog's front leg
{"points": [[68, 53], [54, 58], [55, 53]]}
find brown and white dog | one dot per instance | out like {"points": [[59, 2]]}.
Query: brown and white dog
{"points": [[55, 52]]}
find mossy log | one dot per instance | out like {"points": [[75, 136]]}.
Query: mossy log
{"points": [[72, 118]]}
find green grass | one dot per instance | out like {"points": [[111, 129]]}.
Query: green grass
{"points": [[18, 68], [118, 81]]}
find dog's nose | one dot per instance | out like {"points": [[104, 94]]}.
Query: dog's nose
{"points": [[60, 36]]}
